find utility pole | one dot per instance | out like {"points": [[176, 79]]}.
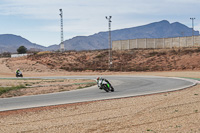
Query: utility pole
{"points": [[192, 30], [109, 38], [62, 46], [192, 26]]}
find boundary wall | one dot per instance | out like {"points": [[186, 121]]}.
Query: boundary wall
{"points": [[19, 55], [157, 43]]}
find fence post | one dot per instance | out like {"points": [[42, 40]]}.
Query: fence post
{"points": [[193, 41], [121, 44], [136, 43], [186, 41], [145, 43], [163, 43], [154, 43], [198, 42], [172, 43]]}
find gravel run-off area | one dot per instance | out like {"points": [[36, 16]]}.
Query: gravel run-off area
{"points": [[170, 112]]}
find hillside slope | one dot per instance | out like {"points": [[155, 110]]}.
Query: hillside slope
{"points": [[10, 43], [134, 60]]}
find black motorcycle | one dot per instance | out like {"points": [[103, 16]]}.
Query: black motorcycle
{"points": [[107, 87], [19, 75]]}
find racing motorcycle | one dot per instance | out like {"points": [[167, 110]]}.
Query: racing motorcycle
{"points": [[19, 74], [107, 87]]}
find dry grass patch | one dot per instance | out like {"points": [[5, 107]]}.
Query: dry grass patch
{"points": [[40, 86]]}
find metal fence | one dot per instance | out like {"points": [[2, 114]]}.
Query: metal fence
{"points": [[156, 43]]}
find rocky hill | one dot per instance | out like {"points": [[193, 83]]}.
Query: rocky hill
{"points": [[162, 29], [10, 43]]}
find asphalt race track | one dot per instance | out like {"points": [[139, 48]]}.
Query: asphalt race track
{"points": [[125, 86]]}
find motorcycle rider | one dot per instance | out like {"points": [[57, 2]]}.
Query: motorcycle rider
{"points": [[18, 72], [101, 81]]}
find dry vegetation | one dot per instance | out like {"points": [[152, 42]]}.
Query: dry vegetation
{"points": [[131, 60]]}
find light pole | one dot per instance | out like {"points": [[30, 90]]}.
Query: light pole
{"points": [[62, 46], [192, 30], [192, 26], [109, 38]]}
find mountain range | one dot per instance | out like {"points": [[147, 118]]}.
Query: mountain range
{"points": [[161, 29]]}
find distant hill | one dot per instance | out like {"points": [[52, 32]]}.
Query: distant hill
{"points": [[10, 43], [162, 29]]}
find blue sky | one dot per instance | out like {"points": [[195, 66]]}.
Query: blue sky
{"points": [[39, 20]]}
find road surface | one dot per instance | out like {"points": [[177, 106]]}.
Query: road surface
{"points": [[125, 86]]}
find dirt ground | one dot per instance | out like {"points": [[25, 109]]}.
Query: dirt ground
{"points": [[170, 112], [126, 60]]}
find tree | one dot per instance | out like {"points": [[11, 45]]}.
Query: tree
{"points": [[22, 50]]}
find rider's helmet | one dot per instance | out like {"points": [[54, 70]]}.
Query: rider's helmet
{"points": [[98, 78]]}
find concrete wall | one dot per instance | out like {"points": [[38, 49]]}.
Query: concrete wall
{"points": [[19, 55], [177, 42]]}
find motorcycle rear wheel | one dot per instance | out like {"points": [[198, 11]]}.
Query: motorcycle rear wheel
{"points": [[106, 88]]}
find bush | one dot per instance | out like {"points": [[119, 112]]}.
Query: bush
{"points": [[22, 50]]}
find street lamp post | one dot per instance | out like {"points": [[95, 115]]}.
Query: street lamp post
{"points": [[109, 37], [62, 46], [192, 26], [192, 30]]}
